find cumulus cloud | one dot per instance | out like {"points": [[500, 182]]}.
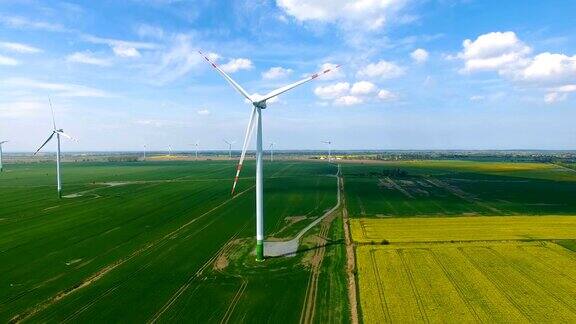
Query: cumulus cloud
{"points": [[548, 67], [332, 91], [496, 51], [386, 95], [359, 15], [362, 88], [237, 64], [87, 58], [348, 101], [19, 48], [276, 72], [17, 22], [5, 60], [342, 93], [203, 112], [419, 55], [382, 69], [506, 54]]}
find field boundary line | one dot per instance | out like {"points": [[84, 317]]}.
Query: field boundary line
{"points": [[350, 257], [102, 272]]}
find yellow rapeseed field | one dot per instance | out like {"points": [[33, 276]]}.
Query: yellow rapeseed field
{"points": [[495, 228], [488, 282]]}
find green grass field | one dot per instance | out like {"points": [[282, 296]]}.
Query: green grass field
{"points": [[137, 242]]}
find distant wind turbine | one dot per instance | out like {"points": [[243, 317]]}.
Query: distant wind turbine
{"points": [[329, 150], [1, 167], [229, 147], [258, 103], [145, 147], [58, 133], [271, 148], [196, 146], [169, 150]]}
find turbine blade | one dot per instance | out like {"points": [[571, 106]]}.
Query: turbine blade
{"points": [[48, 140], [68, 136], [52, 109], [3, 142], [228, 78], [283, 89], [247, 138]]}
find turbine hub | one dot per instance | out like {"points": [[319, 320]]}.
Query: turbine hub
{"points": [[260, 104]]}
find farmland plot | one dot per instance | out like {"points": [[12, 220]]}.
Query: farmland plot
{"points": [[467, 282], [455, 188]]}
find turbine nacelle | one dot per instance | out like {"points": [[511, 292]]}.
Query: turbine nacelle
{"points": [[260, 104]]}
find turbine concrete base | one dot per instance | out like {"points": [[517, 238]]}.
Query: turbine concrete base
{"points": [[259, 250]]}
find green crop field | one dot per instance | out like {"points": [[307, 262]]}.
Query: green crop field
{"points": [[153, 241], [452, 188], [164, 241]]}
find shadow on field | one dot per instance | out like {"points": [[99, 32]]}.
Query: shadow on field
{"points": [[304, 250]]}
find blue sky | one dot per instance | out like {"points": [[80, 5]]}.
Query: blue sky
{"points": [[417, 74]]}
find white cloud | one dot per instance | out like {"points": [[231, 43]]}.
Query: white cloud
{"points": [[87, 58], [507, 55], [332, 91], [419, 55], [344, 94], [180, 58], [358, 15], [382, 69], [386, 95], [548, 67], [122, 48], [18, 22], [237, 64], [348, 101], [5, 60], [276, 72], [203, 112], [58, 89], [335, 71], [19, 48], [496, 51], [362, 88], [477, 98], [559, 93]]}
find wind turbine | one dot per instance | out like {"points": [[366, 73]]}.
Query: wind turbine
{"points": [[329, 150], [196, 146], [145, 147], [229, 147], [169, 150], [1, 167], [271, 149], [58, 133], [258, 103]]}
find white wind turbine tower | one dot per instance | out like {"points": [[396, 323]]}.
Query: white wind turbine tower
{"points": [[145, 147], [1, 167], [58, 133], [271, 148], [196, 146], [258, 103], [169, 150], [229, 147], [329, 150]]}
